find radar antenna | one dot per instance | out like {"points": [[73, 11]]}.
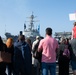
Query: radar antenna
{"points": [[31, 25]]}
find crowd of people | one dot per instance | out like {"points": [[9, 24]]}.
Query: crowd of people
{"points": [[40, 55]]}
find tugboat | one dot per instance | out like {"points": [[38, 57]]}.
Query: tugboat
{"points": [[29, 32]]}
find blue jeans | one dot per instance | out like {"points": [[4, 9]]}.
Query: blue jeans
{"points": [[73, 64], [48, 66]]}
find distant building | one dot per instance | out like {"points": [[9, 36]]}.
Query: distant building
{"points": [[59, 35]]}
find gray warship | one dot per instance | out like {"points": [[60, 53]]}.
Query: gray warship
{"points": [[29, 30]]}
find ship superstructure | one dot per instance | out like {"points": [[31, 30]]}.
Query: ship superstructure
{"points": [[29, 30]]}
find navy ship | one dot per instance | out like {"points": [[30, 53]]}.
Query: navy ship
{"points": [[29, 30]]}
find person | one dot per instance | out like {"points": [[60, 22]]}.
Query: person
{"points": [[35, 42], [35, 61], [22, 57], [10, 49], [73, 55], [48, 46], [3, 47], [74, 31], [64, 58], [73, 49], [28, 40]]}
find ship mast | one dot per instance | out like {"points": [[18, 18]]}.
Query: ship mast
{"points": [[31, 25]]}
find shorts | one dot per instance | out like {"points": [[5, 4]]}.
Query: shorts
{"points": [[73, 64]]}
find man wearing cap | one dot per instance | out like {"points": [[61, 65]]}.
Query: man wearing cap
{"points": [[35, 42], [35, 61]]}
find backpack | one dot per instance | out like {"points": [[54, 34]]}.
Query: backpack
{"points": [[66, 52]]}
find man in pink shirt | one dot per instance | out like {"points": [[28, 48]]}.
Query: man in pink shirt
{"points": [[49, 46]]}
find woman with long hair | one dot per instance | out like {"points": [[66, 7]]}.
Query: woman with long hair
{"points": [[10, 49], [64, 59]]}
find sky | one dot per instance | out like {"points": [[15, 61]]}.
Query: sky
{"points": [[50, 13]]}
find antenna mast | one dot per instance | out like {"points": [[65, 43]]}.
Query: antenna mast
{"points": [[31, 25]]}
